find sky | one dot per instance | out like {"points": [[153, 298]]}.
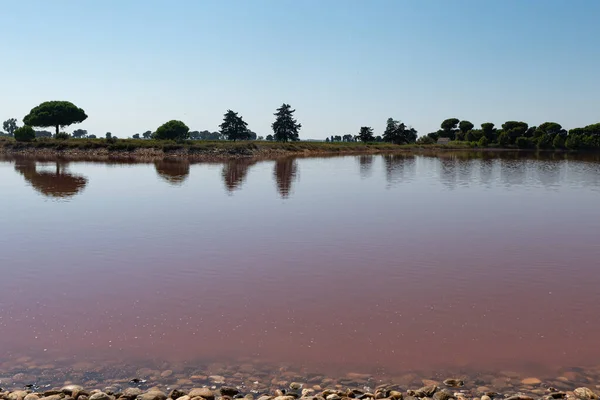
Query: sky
{"points": [[342, 64]]}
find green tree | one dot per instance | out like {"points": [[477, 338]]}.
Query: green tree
{"points": [[136, 136], [465, 126], [147, 134], [234, 127], [398, 133], [489, 131], [24, 134], [10, 126], [483, 142], [92, 137], [285, 127], [503, 139], [172, 130], [56, 114], [366, 134], [269, 138], [515, 129], [79, 133], [449, 128], [108, 135]]}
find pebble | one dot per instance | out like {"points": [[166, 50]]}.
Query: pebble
{"points": [[295, 386], [151, 395], [205, 393], [486, 397], [132, 393], [585, 393], [217, 379], [531, 381], [454, 383], [69, 389], [100, 396], [32, 396], [166, 374]]}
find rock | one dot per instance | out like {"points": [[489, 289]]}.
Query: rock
{"points": [[131, 393], [17, 395], [585, 394], [519, 397], [442, 395], [228, 391], [183, 398], [265, 397], [176, 394], [454, 383], [307, 392], [100, 396], [295, 386], [202, 392], [429, 382], [486, 397], [151, 395], [425, 391], [531, 381], [558, 395], [70, 389], [395, 395], [333, 396], [217, 379], [167, 373], [32, 396], [284, 398], [53, 397]]}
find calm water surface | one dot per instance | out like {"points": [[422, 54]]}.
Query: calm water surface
{"points": [[356, 263]]}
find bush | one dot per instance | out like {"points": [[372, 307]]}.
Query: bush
{"points": [[172, 130], [483, 142], [24, 134], [425, 140], [62, 136]]}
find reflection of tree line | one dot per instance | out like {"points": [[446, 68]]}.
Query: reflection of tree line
{"points": [[454, 168]]}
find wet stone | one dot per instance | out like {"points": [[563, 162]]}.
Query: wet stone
{"points": [[131, 393], [584, 393], [228, 391], [99, 396], [151, 395], [32, 396], [176, 394], [295, 386], [205, 393], [454, 383], [531, 381], [442, 395]]}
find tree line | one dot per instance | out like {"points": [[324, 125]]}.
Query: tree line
{"points": [[59, 114], [511, 134]]}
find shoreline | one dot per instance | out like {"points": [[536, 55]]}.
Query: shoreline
{"points": [[223, 151], [242, 382]]}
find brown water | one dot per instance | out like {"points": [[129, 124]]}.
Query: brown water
{"points": [[388, 263]]}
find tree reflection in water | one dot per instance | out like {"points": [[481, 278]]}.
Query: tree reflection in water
{"points": [[285, 171], [173, 171], [234, 173], [59, 183]]}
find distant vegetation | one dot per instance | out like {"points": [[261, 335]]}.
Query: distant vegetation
{"points": [[453, 132]]}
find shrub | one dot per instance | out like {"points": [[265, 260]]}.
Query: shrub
{"points": [[503, 139], [24, 134], [483, 142], [425, 140], [62, 136]]}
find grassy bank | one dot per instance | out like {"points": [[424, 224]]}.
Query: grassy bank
{"points": [[201, 147]]}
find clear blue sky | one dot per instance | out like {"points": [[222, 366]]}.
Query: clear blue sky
{"points": [[134, 64]]}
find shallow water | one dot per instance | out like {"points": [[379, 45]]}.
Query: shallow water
{"points": [[464, 261]]}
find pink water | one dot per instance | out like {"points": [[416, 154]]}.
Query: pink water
{"points": [[355, 263]]}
